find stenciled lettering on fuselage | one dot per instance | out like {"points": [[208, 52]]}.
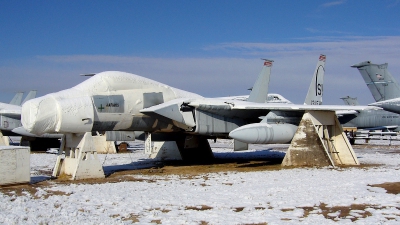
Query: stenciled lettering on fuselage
{"points": [[315, 102], [390, 117], [109, 103]]}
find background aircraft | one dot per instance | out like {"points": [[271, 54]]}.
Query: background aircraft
{"points": [[10, 125], [382, 85], [10, 114], [17, 99], [283, 122], [350, 100], [378, 119]]}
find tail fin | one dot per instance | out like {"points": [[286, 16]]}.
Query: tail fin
{"points": [[29, 96], [260, 89], [17, 99], [380, 82], [315, 91], [350, 101]]}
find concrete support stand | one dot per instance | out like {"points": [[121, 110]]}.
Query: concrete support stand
{"points": [[4, 140], [81, 161], [102, 146], [188, 148], [161, 150], [14, 165], [320, 141]]}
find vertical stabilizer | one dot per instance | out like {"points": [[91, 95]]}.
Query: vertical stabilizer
{"points": [[260, 89], [380, 82], [315, 91], [350, 100], [29, 96], [17, 99]]}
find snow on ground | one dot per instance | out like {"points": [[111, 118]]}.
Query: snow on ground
{"points": [[289, 196]]}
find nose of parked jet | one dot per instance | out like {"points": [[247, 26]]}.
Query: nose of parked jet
{"points": [[39, 115], [58, 113]]}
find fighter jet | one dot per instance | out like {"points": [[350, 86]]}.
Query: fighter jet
{"points": [[120, 101], [284, 122]]}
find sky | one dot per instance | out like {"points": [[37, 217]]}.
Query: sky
{"points": [[212, 48]]}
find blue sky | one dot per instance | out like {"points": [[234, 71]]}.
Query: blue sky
{"points": [[212, 48]]}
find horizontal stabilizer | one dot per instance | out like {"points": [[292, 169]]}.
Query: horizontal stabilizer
{"points": [[88, 74]]}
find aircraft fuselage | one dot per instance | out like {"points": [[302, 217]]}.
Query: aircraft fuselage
{"points": [[370, 119]]}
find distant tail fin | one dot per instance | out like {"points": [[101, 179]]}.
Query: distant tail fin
{"points": [[17, 99], [380, 82], [260, 89], [315, 91], [350, 101], [29, 96]]}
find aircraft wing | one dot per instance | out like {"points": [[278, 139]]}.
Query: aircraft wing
{"points": [[215, 105], [16, 114], [236, 109]]}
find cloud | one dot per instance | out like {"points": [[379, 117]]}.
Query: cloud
{"points": [[314, 43], [327, 32], [232, 73], [334, 3]]}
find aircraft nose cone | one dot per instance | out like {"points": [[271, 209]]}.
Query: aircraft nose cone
{"points": [[39, 115]]}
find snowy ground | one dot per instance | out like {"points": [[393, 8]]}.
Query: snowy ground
{"points": [[277, 196]]}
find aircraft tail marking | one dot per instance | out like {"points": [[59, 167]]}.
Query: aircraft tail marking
{"points": [[379, 81], [315, 91], [260, 89]]}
